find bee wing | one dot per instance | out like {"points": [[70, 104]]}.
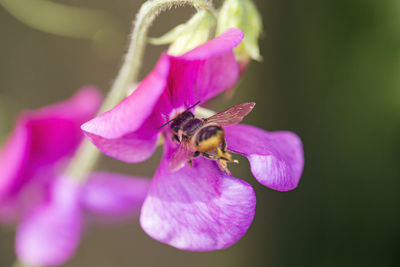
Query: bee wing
{"points": [[181, 155], [232, 115]]}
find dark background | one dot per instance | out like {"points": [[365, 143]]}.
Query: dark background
{"points": [[331, 73]]}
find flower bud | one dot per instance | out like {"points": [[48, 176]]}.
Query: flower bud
{"points": [[242, 14], [184, 37]]}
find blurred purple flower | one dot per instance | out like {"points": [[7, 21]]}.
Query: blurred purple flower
{"points": [[199, 208], [47, 207]]}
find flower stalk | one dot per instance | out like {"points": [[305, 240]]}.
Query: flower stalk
{"points": [[133, 60], [87, 154]]}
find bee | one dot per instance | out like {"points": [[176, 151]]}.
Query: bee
{"points": [[204, 136]]}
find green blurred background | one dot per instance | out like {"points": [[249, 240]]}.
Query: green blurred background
{"points": [[331, 73]]}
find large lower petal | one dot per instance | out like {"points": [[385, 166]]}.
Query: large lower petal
{"points": [[112, 196], [276, 158], [199, 208], [49, 235]]}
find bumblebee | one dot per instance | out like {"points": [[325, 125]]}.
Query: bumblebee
{"points": [[205, 136]]}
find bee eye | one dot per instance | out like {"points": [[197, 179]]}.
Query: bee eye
{"points": [[175, 128]]}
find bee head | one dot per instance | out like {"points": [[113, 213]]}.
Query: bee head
{"points": [[176, 122], [180, 120]]}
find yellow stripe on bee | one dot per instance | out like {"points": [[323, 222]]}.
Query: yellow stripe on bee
{"points": [[211, 143]]}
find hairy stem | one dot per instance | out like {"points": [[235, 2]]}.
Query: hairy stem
{"points": [[133, 60], [87, 154]]}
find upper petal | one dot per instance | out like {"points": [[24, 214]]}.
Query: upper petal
{"points": [[49, 235], [134, 147], [205, 71], [110, 196], [129, 115], [128, 131], [175, 82], [199, 208], [224, 43], [44, 136], [276, 158]]}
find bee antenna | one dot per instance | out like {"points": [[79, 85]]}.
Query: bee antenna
{"points": [[189, 108], [168, 122], [165, 124]]}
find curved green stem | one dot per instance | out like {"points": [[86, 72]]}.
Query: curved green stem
{"points": [[133, 60], [87, 154]]}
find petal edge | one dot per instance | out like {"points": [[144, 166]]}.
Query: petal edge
{"points": [[276, 158], [199, 208]]}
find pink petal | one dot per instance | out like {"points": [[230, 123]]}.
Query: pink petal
{"points": [[44, 136], [80, 107], [123, 132], [276, 158], [222, 44], [113, 196], [128, 132], [50, 234], [13, 157], [134, 147], [14, 207], [129, 115], [56, 130], [199, 208], [206, 71], [8, 211]]}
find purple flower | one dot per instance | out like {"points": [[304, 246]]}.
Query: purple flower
{"points": [[199, 208], [48, 207]]}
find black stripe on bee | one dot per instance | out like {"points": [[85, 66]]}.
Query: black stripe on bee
{"points": [[208, 132]]}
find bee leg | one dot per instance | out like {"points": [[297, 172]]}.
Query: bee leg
{"points": [[223, 165], [213, 157], [190, 162], [210, 156], [223, 153], [222, 161], [224, 146], [225, 157]]}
